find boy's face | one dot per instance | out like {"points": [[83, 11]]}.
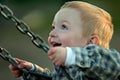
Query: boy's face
{"points": [[67, 29]]}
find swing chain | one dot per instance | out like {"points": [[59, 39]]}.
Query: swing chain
{"points": [[23, 27], [4, 54]]}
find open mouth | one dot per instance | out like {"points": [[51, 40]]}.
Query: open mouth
{"points": [[54, 44]]}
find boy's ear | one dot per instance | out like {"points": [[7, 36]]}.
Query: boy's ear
{"points": [[94, 39]]}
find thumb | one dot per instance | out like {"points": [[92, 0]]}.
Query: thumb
{"points": [[21, 63], [51, 51], [19, 60]]}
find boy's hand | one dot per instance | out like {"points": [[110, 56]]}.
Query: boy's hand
{"points": [[21, 64], [57, 55]]}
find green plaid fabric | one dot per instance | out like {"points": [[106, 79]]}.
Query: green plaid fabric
{"points": [[92, 63]]}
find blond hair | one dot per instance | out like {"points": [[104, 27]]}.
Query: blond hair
{"points": [[95, 21]]}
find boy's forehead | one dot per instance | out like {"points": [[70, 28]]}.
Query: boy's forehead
{"points": [[67, 14], [65, 11]]}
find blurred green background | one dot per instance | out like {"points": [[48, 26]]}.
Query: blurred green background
{"points": [[38, 14]]}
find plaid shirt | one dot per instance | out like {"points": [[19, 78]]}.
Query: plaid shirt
{"points": [[92, 63]]}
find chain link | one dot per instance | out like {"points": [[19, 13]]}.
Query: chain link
{"points": [[23, 27]]}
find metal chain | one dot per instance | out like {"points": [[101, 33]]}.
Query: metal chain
{"points": [[24, 29], [5, 55]]}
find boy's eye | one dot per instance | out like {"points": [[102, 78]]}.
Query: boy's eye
{"points": [[64, 27], [53, 27]]}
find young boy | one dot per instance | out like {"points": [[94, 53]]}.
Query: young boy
{"points": [[79, 40]]}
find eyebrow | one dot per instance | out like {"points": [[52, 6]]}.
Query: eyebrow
{"points": [[65, 21], [53, 23]]}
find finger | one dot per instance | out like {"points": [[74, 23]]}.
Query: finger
{"points": [[17, 73], [55, 60], [51, 57], [51, 51], [25, 64], [19, 60], [11, 67], [51, 54], [58, 63], [21, 63]]}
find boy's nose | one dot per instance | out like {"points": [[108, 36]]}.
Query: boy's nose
{"points": [[53, 33]]}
